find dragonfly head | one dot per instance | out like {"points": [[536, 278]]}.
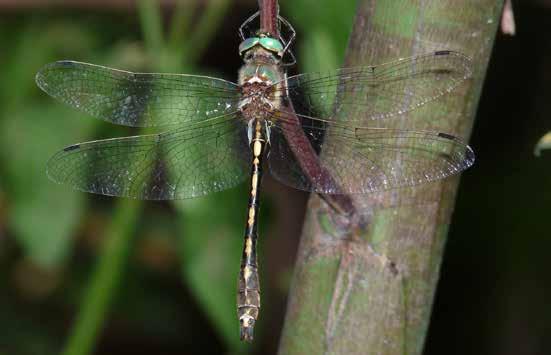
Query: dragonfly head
{"points": [[262, 46], [246, 326]]}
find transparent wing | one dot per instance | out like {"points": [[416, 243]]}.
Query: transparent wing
{"points": [[377, 92], [137, 99], [203, 158], [345, 159]]}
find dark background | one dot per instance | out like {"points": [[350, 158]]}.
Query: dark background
{"points": [[175, 276]]}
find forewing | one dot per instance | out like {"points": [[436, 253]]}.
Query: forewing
{"points": [[354, 160], [137, 99], [377, 92], [183, 163]]}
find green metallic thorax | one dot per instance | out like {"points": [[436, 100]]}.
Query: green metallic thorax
{"points": [[268, 73], [261, 79]]}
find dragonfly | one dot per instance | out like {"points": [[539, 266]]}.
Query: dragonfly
{"points": [[316, 132]]}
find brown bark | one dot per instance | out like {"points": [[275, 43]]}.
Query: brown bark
{"points": [[369, 290]]}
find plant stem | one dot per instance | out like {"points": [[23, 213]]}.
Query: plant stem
{"points": [[369, 290], [150, 20], [105, 279]]}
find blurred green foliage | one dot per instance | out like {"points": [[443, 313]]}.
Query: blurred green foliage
{"points": [[322, 30], [32, 197]]}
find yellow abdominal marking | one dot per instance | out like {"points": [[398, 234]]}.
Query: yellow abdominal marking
{"points": [[251, 216], [247, 272], [254, 184], [257, 148], [248, 246]]}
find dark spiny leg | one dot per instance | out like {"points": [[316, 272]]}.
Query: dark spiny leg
{"points": [[247, 21], [287, 43], [291, 29], [248, 295]]}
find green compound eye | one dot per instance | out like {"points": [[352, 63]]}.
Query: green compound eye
{"points": [[268, 43], [271, 44], [248, 44]]}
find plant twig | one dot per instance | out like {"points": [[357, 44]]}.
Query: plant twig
{"points": [[269, 10], [295, 136]]}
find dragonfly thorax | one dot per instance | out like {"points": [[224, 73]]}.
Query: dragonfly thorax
{"points": [[260, 82], [258, 101]]}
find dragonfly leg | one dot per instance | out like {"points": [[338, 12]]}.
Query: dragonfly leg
{"points": [[246, 23], [287, 43], [291, 29]]}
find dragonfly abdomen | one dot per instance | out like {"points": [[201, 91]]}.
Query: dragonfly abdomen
{"points": [[248, 296]]}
